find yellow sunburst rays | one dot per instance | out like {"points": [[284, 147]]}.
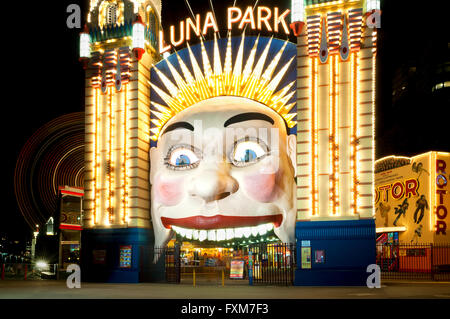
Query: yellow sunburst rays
{"points": [[228, 66], [249, 81], [200, 86], [248, 68], [237, 70], [207, 70], [254, 80], [219, 85]]}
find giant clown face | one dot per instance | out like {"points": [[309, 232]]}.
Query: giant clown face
{"points": [[222, 169]]}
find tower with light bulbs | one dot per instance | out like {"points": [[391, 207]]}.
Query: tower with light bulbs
{"points": [[336, 70], [117, 47]]}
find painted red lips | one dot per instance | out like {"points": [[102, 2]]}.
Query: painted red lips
{"points": [[221, 221]]}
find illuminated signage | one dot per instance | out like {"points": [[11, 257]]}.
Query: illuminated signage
{"points": [[258, 18], [306, 257], [411, 197], [441, 209], [397, 190], [237, 269], [125, 256]]}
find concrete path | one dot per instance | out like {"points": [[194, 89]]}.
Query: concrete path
{"points": [[51, 289]]}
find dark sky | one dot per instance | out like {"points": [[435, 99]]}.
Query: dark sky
{"points": [[45, 80]]}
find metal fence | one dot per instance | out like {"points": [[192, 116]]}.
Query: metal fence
{"points": [[414, 261], [164, 263], [273, 264], [172, 259]]}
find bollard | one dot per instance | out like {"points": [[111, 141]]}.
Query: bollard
{"points": [[194, 276], [3, 272], [223, 279], [26, 270]]}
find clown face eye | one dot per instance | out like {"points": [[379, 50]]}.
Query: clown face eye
{"points": [[248, 152], [182, 157]]}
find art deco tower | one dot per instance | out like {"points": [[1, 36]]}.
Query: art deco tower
{"points": [[117, 48], [336, 102], [336, 67]]}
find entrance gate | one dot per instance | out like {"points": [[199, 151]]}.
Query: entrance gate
{"points": [[172, 262], [162, 264], [273, 264]]}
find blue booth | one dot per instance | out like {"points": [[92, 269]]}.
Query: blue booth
{"points": [[123, 255], [334, 253]]}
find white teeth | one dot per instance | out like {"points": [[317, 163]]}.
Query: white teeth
{"points": [[262, 229], [211, 235], [202, 235], [223, 234]]}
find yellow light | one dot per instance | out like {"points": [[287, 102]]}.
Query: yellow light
{"points": [[354, 109], [431, 180], [124, 164], [228, 66], [373, 122], [108, 156], [314, 134], [357, 132], [94, 152], [331, 136], [390, 229], [329, 4], [217, 74], [97, 155], [335, 127], [112, 156]]}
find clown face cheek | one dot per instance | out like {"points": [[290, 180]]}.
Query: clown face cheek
{"points": [[168, 193], [261, 187]]}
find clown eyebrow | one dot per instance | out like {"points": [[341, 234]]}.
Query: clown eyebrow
{"points": [[178, 125], [248, 117]]}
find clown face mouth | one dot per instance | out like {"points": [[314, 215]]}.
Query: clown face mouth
{"points": [[219, 227]]}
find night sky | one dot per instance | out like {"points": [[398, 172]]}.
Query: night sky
{"points": [[45, 79]]}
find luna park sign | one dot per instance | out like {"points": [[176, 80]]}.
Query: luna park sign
{"points": [[258, 18]]}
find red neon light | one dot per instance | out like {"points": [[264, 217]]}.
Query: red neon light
{"points": [[70, 227], [72, 193]]}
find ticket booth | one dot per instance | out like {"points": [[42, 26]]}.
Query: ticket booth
{"points": [[70, 219]]}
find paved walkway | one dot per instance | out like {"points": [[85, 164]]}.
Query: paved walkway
{"points": [[51, 289]]}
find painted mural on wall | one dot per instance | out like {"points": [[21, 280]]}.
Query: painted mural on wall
{"points": [[408, 194], [223, 141], [402, 195]]}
